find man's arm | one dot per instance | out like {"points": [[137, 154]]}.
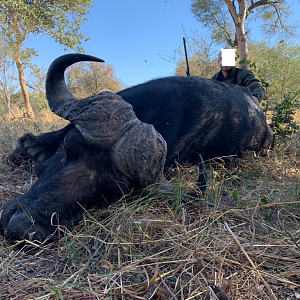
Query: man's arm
{"points": [[254, 85]]}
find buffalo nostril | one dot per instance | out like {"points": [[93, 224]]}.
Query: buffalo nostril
{"points": [[18, 227], [22, 227], [15, 222], [6, 216]]}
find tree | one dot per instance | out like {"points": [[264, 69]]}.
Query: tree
{"points": [[7, 77], [59, 19], [279, 64], [7, 84], [227, 19], [90, 78], [36, 85]]}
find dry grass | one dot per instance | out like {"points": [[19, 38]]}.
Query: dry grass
{"points": [[239, 241]]}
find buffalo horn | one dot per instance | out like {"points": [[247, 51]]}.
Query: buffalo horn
{"points": [[58, 95]]}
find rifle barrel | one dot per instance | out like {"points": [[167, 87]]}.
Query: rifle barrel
{"points": [[186, 59]]}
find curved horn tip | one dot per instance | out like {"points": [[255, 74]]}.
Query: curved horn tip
{"points": [[76, 57]]}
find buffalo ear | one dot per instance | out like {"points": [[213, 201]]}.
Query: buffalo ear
{"points": [[31, 151], [37, 149], [19, 157]]}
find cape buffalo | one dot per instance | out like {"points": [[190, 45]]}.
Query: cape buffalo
{"points": [[109, 148]]}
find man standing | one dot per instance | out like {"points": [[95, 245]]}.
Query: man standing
{"points": [[232, 75]]}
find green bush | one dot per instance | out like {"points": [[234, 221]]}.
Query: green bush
{"points": [[283, 123]]}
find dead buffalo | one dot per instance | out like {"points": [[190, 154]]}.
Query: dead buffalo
{"points": [[109, 148]]}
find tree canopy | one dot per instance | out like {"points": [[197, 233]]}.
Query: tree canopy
{"points": [[59, 19], [90, 78], [229, 20], [280, 65]]}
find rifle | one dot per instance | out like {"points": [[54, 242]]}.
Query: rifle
{"points": [[186, 59]]}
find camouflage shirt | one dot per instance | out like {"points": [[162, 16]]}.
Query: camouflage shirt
{"points": [[245, 78]]}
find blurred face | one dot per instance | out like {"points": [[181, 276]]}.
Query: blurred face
{"points": [[223, 68]]}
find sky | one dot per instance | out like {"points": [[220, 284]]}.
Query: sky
{"points": [[137, 37]]}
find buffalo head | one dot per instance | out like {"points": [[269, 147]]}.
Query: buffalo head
{"points": [[102, 156]]}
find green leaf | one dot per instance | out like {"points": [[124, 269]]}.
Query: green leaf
{"points": [[263, 200], [235, 195]]}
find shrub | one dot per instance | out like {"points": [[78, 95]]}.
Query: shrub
{"points": [[283, 123]]}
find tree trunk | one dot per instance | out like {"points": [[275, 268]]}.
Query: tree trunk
{"points": [[10, 112], [240, 33], [25, 96], [239, 21], [6, 93], [242, 45]]}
